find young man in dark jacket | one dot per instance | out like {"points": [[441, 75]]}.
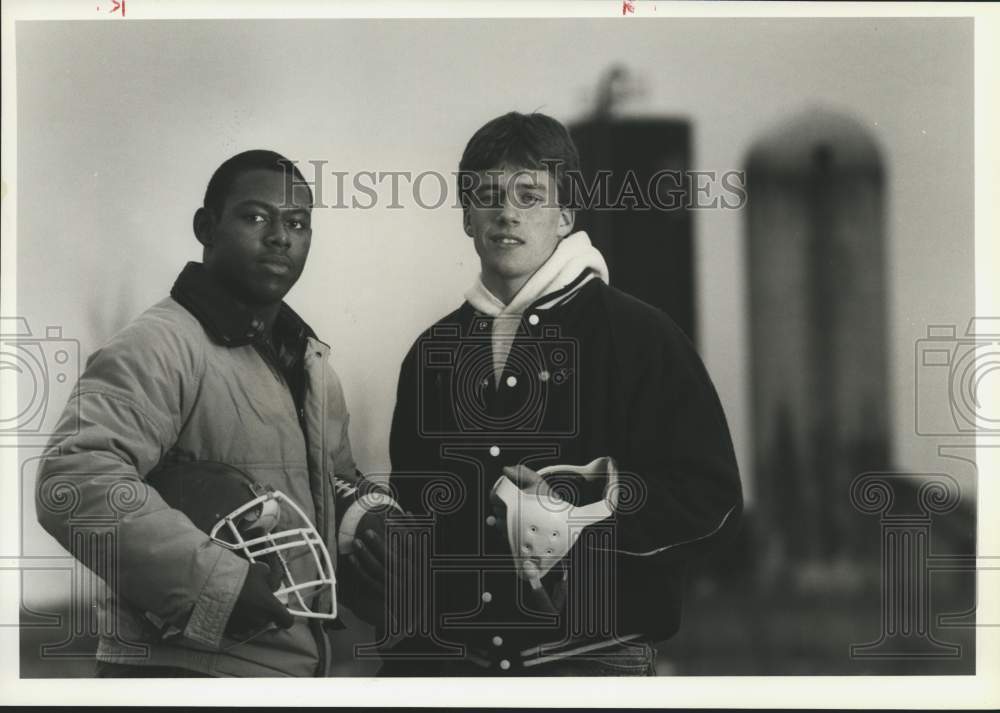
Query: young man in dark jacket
{"points": [[562, 438]]}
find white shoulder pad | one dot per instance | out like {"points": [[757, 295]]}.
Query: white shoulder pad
{"points": [[542, 528]]}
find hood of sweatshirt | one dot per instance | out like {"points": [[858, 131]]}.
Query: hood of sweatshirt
{"points": [[575, 262]]}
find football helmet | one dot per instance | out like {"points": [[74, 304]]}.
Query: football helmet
{"points": [[257, 522]]}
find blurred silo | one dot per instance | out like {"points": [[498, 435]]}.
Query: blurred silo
{"points": [[816, 256]]}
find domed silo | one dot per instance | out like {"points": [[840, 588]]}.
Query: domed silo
{"points": [[818, 304]]}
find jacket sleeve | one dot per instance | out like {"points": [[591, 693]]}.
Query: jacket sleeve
{"points": [[680, 486], [131, 401]]}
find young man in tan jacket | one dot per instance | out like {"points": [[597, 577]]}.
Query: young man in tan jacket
{"points": [[220, 378]]}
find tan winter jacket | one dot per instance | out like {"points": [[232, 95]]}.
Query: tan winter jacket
{"points": [[175, 386]]}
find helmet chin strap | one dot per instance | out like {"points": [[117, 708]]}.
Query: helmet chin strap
{"points": [[542, 527]]}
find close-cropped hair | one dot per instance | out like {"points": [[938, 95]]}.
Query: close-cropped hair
{"points": [[254, 160], [521, 141]]}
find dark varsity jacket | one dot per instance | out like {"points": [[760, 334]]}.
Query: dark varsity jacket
{"points": [[592, 372]]}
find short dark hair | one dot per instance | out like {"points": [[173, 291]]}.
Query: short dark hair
{"points": [[226, 174], [531, 141]]}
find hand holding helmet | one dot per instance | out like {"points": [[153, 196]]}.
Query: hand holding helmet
{"points": [[257, 608], [290, 567]]}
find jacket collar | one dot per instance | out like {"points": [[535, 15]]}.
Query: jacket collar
{"points": [[225, 319], [573, 257]]}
